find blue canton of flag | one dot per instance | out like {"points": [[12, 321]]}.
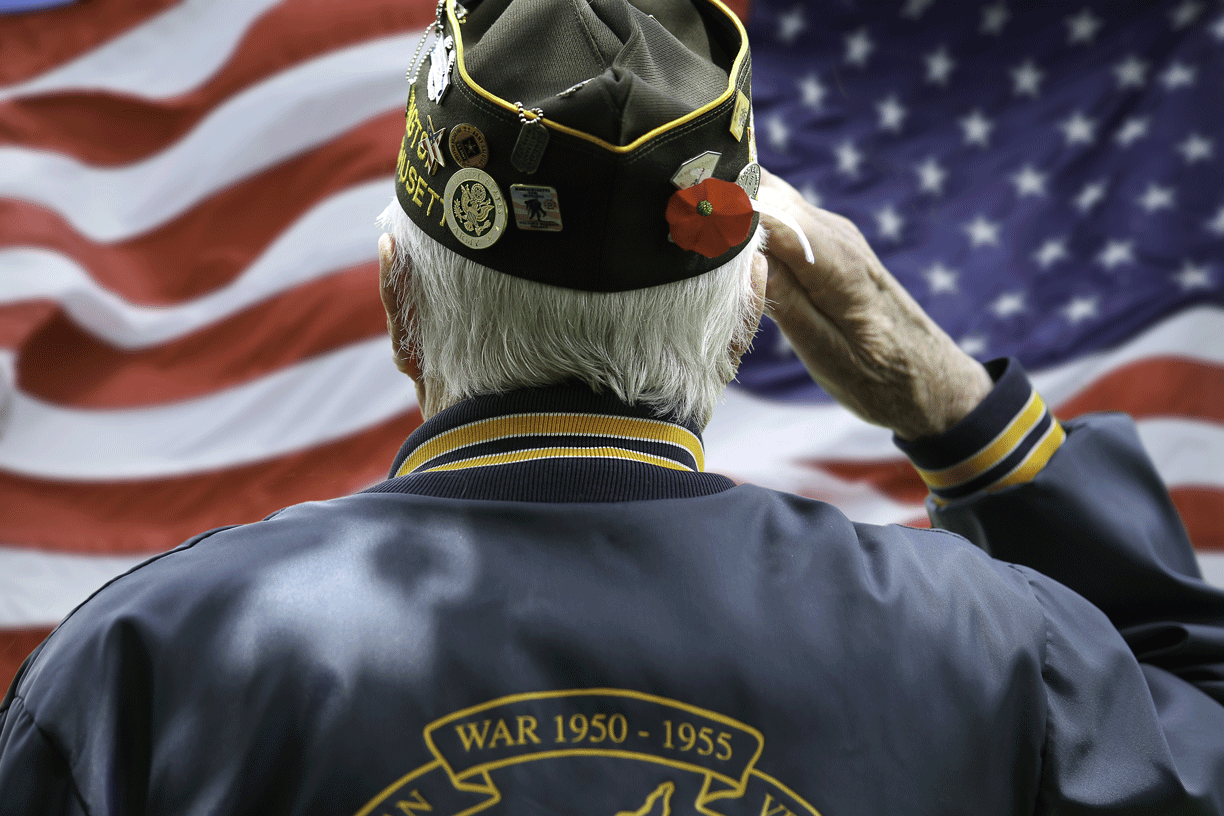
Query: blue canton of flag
{"points": [[1044, 178]]}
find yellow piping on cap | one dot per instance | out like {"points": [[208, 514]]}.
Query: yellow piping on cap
{"points": [[638, 142]]}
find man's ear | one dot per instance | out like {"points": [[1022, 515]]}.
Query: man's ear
{"points": [[405, 360]]}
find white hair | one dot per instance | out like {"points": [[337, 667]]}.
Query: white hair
{"points": [[672, 347]]}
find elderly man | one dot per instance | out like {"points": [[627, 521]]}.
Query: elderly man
{"points": [[550, 607]]}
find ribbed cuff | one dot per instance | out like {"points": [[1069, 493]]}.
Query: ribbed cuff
{"points": [[1006, 440]]}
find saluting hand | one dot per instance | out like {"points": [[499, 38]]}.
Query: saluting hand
{"points": [[858, 332]]}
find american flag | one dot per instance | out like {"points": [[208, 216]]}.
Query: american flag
{"points": [[1047, 179], [190, 334]]}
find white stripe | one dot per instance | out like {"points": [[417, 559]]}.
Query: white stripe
{"points": [[1193, 334], [859, 501], [748, 434], [326, 398], [39, 588], [337, 233], [165, 56], [290, 112], [1212, 564], [1185, 453]]}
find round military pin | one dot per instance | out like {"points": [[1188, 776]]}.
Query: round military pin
{"points": [[750, 179], [468, 146], [475, 209]]}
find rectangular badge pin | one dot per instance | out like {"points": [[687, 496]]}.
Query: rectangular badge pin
{"points": [[739, 117], [535, 208]]}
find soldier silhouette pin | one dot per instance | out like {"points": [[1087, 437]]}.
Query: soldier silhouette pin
{"points": [[536, 208]]}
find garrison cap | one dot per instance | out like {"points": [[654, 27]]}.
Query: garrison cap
{"points": [[599, 145]]}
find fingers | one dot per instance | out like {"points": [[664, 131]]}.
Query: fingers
{"points": [[812, 333], [386, 253]]}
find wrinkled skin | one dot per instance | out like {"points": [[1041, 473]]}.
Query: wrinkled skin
{"points": [[858, 332]]}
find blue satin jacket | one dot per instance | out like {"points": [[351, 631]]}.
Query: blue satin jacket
{"points": [[550, 608]]}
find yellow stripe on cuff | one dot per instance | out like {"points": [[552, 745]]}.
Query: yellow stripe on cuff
{"points": [[558, 453], [995, 451], [1036, 460]]}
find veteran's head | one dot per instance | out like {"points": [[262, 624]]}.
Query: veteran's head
{"points": [[574, 203]]}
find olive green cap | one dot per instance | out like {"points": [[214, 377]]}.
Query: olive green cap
{"points": [[637, 100]]}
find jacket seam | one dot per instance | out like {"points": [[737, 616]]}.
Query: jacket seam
{"points": [[159, 556], [29, 662], [1045, 652], [54, 748]]}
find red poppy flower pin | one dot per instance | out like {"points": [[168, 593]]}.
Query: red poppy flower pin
{"points": [[710, 217]]}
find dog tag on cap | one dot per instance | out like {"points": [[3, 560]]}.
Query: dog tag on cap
{"points": [[750, 179], [531, 143], [441, 60]]}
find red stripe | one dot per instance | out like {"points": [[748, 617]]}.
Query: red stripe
{"points": [[210, 244], [15, 644], [34, 43], [1155, 387], [63, 364], [109, 129], [113, 518], [20, 320], [895, 478], [1202, 511], [740, 7]]}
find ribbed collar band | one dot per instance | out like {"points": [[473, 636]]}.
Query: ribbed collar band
{"points": [[558, 443]]}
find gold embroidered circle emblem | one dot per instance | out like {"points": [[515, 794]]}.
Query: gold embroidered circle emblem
{"points": [[468, 146], [475, 209]]}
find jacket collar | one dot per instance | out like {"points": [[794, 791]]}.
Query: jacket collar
{"points": [[558, 443]]}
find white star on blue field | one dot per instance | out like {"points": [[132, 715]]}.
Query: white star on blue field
{"points": [[1047, 179]]}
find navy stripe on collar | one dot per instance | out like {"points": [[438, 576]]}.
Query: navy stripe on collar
{"points": [[560, 443]]}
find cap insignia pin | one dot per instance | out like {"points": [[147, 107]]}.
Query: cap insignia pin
{"points": [[739, 117], [696, 170], [468, 146], [535, 208], [750, 179], [441, 60], [432, 142], [475, 209]]}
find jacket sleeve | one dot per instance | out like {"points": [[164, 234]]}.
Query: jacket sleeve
{"points": [[1134, 664]]}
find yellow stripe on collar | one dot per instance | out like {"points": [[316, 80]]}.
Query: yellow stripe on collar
{"points": [[608, 427], [530, 454]]}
